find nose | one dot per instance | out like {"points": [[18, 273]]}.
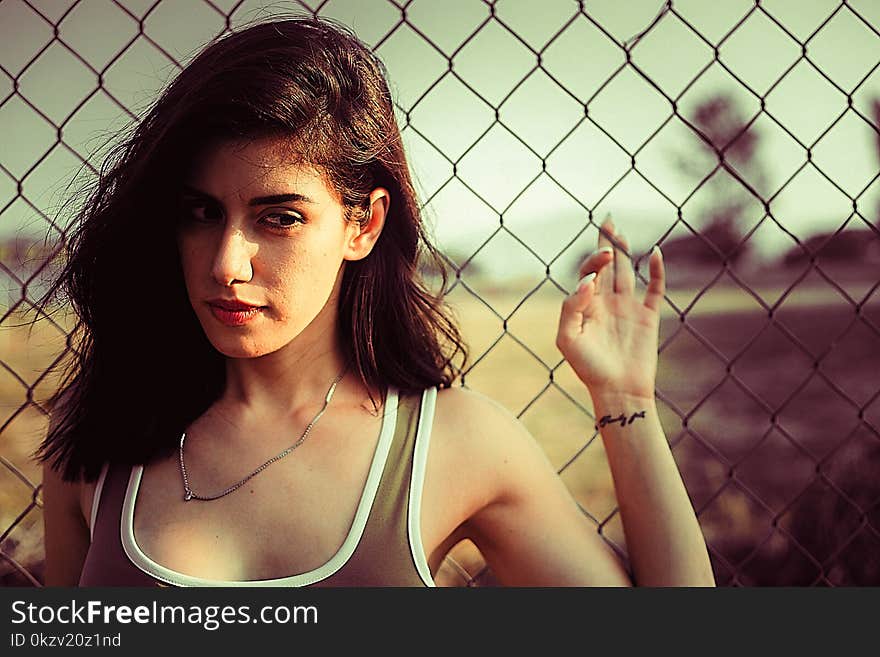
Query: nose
{"points": [[233, 260]]}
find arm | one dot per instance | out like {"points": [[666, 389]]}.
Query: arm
{"points": [[610, 340], [66, 535], [522, 517], [65, 532], [666, 546]]}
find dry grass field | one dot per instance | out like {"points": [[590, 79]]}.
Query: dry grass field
{"points": [[773, 422]]}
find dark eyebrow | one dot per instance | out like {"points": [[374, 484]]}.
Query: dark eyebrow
{"points": [[259, 200]]}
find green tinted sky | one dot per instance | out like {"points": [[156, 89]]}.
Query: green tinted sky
{"points": [[446, 111]]}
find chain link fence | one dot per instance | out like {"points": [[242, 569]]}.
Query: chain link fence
{"points": [[768, 380]]}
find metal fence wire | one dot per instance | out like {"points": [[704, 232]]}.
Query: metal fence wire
{"points": [[816, 525]]}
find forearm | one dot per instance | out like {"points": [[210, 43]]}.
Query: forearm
{"points": [[665, 543]]}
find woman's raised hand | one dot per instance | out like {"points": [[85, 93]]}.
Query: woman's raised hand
{"points": [[607, 335]]}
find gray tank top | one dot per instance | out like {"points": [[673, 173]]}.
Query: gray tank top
{"points": [[383, 546]]}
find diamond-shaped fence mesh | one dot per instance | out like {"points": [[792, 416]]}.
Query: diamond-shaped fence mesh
{"points": [[740, 136]]}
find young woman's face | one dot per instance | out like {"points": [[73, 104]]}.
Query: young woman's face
{"points": [[265, 234]]}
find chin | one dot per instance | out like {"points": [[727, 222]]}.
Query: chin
{"points": [[260, 338], [231, 351], [243, 345], [240, 346]]}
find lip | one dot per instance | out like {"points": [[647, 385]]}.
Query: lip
{"points": [[233, 312], [232, 304]]}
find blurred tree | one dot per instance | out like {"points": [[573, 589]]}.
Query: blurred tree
{"points": [[726, 138]]}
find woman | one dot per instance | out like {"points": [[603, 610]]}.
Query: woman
{"points": [[263, 387]]}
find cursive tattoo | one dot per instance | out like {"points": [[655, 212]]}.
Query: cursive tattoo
{"points": [[607, 419]]}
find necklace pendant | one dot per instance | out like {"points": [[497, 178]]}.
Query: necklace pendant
{"points": [[188, 496]]}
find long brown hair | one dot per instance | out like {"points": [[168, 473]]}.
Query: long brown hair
{"points": [[134, 385]]}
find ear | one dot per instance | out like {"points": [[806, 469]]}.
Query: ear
{"points": [[361, 239]]}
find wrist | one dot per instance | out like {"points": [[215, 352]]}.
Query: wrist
{"points": [[619, 410], [622, 408], [607, 398]]}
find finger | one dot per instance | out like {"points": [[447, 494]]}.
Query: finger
{"points": [[571, 318], [595, 261], [605, 280], [606, 231], [624, 276], [657, 285]]}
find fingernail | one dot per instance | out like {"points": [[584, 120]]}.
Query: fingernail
{"points": [[604, 249], [585, 281], [657, 249]]}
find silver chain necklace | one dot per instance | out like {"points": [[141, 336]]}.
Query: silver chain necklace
{"points": [[190, 494]]}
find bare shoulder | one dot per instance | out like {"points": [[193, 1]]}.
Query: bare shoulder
{"points": [[477, 418], [66, 534], [65, 494], [73, 496], [76, 496], [472, 438], [485, 441], [469, 409], [65, 519]]}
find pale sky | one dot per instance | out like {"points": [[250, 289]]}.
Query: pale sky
{"points": [[489, 58]]}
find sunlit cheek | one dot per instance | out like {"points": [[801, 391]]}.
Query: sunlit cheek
{"points": [[189, 256]]}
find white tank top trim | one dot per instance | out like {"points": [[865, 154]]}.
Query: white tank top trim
{"points": [[417, 480], [160, 572]]}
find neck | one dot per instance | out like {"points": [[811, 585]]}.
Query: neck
{"points": [[293, 379], [292, 382]]}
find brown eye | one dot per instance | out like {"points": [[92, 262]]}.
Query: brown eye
{"points": [[283, 220], [200, 211]]}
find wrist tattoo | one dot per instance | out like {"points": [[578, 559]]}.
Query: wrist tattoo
{"points": [[607, 419]]}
